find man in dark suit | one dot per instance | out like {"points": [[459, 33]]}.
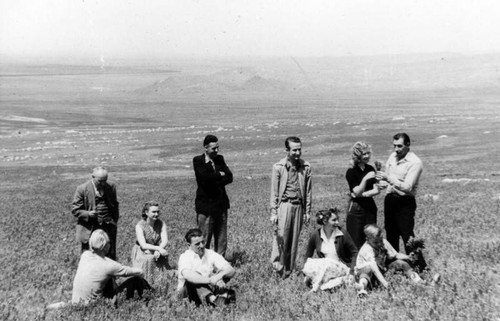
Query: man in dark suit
{"points": [[96, 207], [212, 203]]}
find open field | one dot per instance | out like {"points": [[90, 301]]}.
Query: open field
{"points": [[146, 122]]}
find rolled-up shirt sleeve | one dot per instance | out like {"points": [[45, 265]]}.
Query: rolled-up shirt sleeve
{"points": [[411, 179]]}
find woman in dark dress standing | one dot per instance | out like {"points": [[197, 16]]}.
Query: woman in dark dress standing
{"points": [[361, 209]]}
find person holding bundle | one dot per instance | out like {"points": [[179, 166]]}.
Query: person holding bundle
{"points": [[360, 177], [402, 173]]}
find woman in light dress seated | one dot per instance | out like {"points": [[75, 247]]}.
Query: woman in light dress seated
{"points": [[336, 253], [149, 253]]}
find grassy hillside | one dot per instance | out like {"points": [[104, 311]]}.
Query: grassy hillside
{"points": [[54, 129]]}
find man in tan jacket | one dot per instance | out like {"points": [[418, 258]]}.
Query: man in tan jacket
{"points": [[290, 205]]}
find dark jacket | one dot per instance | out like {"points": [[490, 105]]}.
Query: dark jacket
{"points": [[84, 201], [346, 249], [211, 196]]}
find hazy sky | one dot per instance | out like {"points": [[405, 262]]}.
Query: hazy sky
{"points": [[148, 28]]}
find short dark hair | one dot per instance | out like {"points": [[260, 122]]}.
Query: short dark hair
{"points": [[210, 139], [406, 138], [293, 139], [194, 232], [324, 215], [146, 207]]}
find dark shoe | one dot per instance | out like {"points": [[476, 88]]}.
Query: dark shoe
{"points": [[220, 301], [278, 269], [307, 281], [231, 296]]}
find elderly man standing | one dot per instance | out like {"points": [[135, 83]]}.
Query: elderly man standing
{"points": [[212, 202], [96, 207], [290, 205], [402, 172]]}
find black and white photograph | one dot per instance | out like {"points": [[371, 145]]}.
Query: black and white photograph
{"points": [[249, 160]]}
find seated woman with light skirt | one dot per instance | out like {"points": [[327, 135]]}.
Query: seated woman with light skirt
{"points": [[333, 243], [149, 253]]}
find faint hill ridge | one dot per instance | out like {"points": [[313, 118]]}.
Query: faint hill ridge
{"points": [[259, 83], [333, 75], [223, 81], [185, 84]]}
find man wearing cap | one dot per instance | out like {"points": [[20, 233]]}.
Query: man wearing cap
{"points": [[290, 205], [212, 202], [402, 172], [96, 207]]}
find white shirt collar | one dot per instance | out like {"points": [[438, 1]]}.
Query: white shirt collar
{"points": [[336, 232]]}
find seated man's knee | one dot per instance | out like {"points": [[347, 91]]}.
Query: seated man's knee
{"points": [[133, 284]]}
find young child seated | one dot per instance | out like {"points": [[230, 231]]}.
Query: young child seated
{"points": [[376, 257], [95, 274]]}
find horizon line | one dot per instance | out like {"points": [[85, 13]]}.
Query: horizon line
{"points": [[103, 59]]}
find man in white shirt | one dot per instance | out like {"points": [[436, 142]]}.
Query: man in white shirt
{"points": [[403, 170], [203, 273]]}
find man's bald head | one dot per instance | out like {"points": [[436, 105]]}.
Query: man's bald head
{"points": [[100, 175]]}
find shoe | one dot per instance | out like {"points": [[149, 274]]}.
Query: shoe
{"points": [[208, 301], [362, 294], [231, 296], [307, 281], [415, 277], [220, 301], [436, 279]]}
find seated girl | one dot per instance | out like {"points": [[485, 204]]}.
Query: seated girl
{"points": [[333, 243], [376, 257], [149, 252]]}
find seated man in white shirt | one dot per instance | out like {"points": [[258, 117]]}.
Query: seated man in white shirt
{"points": [[203, 273]]}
